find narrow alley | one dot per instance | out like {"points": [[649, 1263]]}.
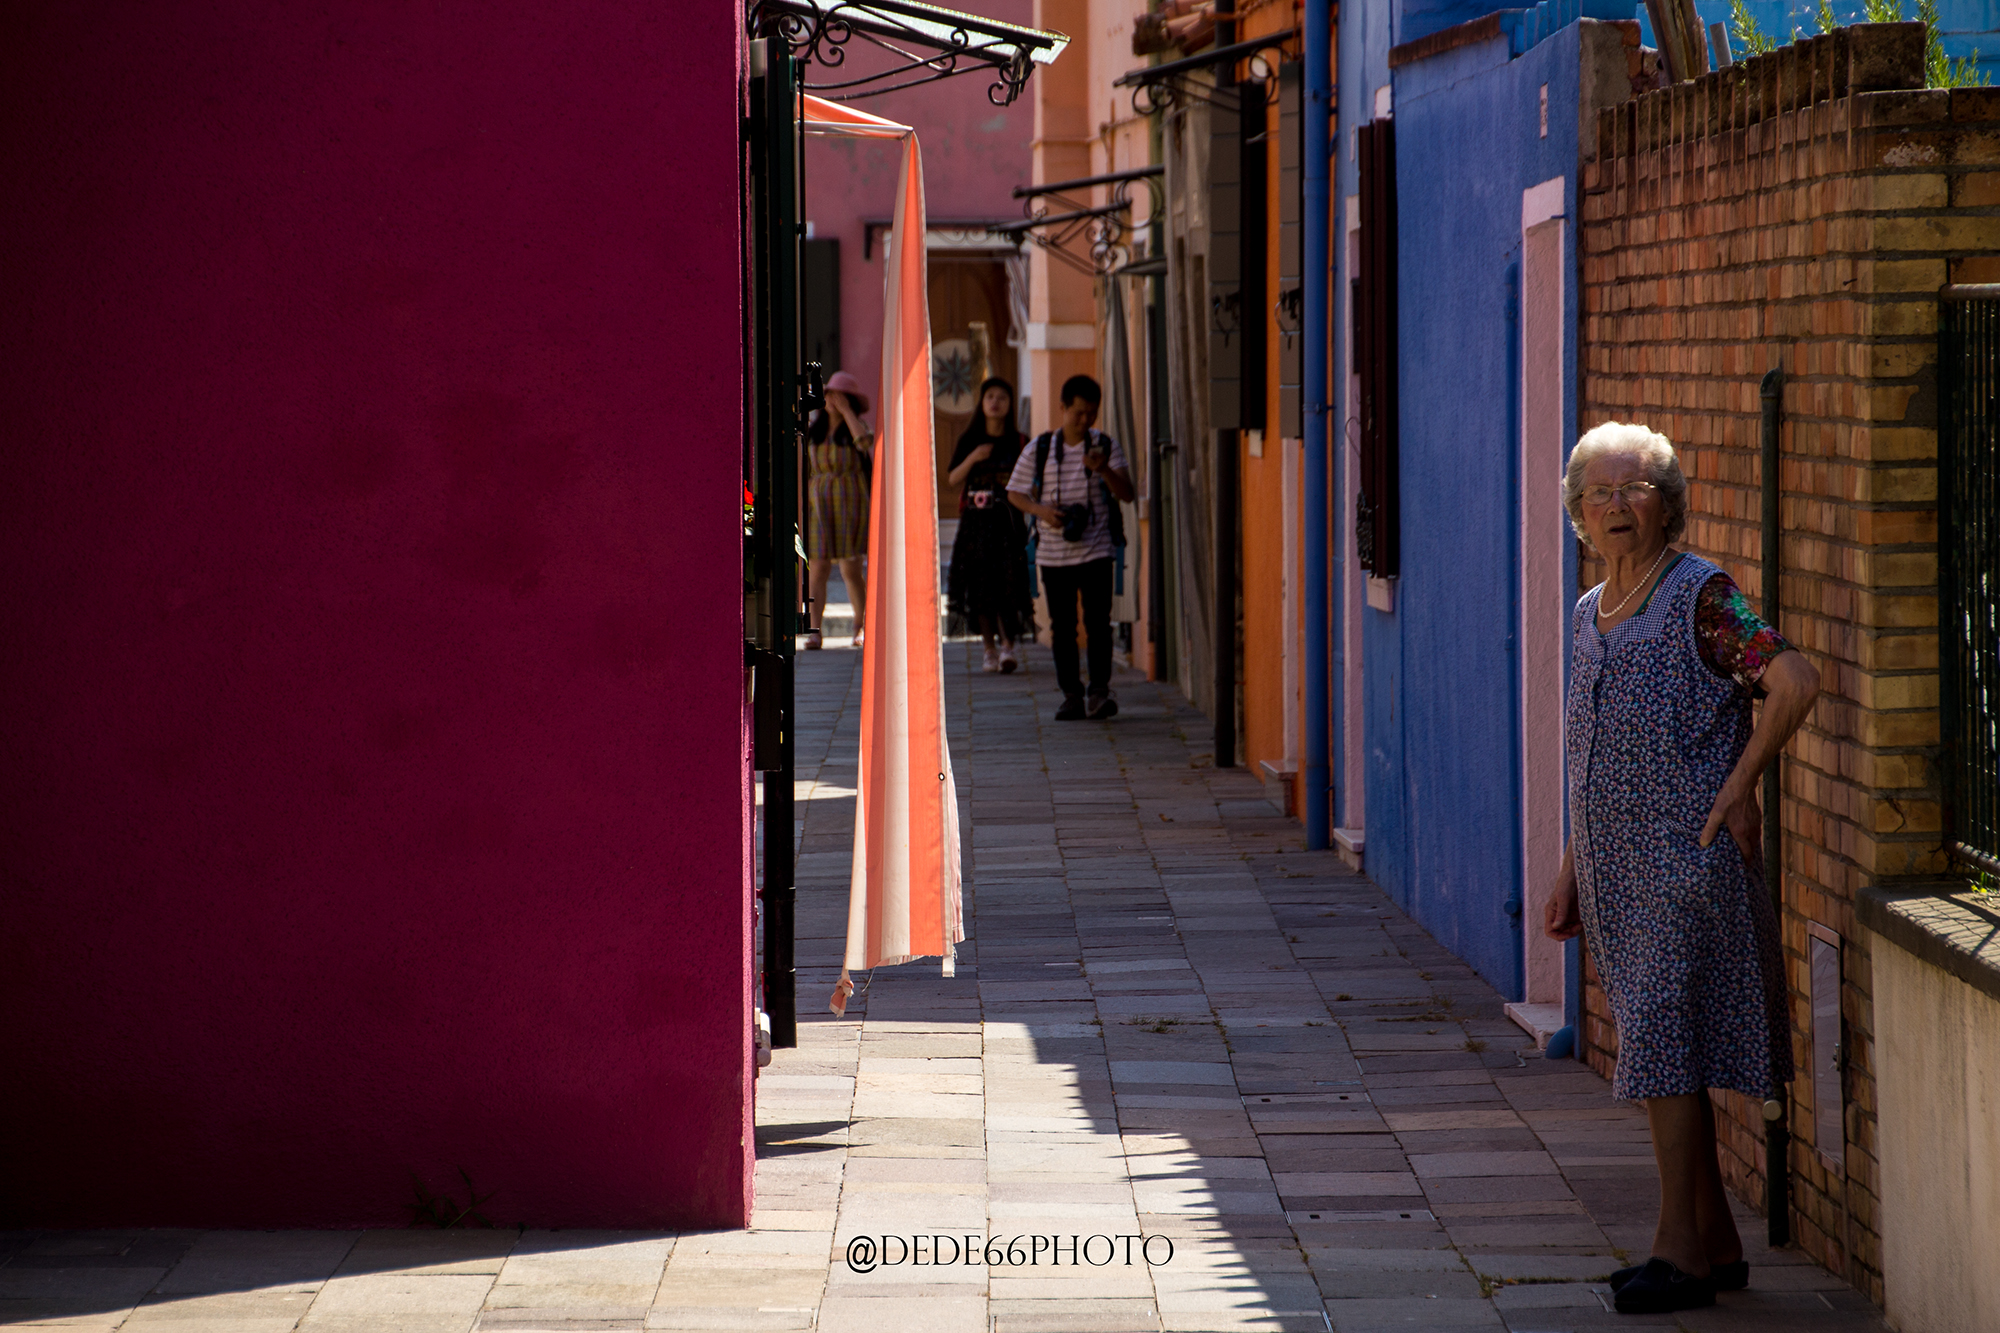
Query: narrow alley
{"points": [[1170, 1021]]}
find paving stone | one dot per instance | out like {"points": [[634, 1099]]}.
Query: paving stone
{"points": [[1183, 1027], [401, 1294]]}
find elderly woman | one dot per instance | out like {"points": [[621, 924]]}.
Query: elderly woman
{"points": [[1664, 871]]}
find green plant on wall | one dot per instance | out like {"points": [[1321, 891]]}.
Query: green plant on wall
{"points": [[1743, 28], [1940, 70], [442, 1211]]}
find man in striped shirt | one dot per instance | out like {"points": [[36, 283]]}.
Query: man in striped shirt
{"points": [[1076, 466]]}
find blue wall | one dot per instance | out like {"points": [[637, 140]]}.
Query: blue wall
{"points": [[1441, 696]]}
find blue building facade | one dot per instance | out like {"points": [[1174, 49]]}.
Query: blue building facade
{"points": [[1488, 118], [1448, 676]]}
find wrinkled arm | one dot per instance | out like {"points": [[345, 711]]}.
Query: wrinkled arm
{"points": [[1791, 683]]}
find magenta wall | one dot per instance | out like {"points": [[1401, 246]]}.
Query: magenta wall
{"points": [[974, 155], [372, 771]]}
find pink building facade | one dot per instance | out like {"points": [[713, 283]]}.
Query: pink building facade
{"points": [[975, 153], [374, 773]]}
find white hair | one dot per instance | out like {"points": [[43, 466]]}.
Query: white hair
{"points": [[1655, 452]]}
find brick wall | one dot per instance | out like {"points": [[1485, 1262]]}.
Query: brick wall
{"points": [[1802, 209]]}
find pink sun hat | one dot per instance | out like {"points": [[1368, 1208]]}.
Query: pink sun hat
{"points": [[850, 386]]}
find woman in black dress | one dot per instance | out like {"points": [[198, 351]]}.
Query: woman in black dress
{"points": [[988, 586]]}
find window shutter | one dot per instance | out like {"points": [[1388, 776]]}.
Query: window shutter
{"points": [[1377, 508], [1289, 308], [1236, 250]]}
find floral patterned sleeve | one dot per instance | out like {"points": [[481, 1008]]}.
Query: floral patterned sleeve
{"points": [[1734, 640]]}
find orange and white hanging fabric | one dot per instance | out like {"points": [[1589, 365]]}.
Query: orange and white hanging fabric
{"points": [[904, 900]]}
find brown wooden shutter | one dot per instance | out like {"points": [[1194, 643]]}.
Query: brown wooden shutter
{"points": [[1289, 307], [1377, 507], [1236, 251]]}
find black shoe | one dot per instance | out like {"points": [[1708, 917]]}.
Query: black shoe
{"points": [[1725, 1277], [1071, 710], [1103, 706], [1661, 1288]]}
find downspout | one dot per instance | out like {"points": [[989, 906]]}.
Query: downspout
{"points": [[1777, 1130], [1321, 610]]}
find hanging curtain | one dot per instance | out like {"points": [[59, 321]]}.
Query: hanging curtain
{"points": [[904, 899]]}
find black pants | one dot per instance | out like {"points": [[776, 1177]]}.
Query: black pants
{"points": [[1092, 578]]}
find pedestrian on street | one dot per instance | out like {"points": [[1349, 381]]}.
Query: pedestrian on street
{"points": [[840, 456], [988, 587], [1664, 873], [1072, 480]]}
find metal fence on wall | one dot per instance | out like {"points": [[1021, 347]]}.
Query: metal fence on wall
{"points": [[1969, 567]]}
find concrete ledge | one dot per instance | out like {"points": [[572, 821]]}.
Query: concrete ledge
{"points": [[1540, 1021], [1945, 923], [1278, 785], [1352, 844]]}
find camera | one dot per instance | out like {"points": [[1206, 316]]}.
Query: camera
{"points": [[1075, 522]]}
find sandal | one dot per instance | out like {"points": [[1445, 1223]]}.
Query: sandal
{"points": [[812, 639], [1661, 1288], [1726, 1277]]}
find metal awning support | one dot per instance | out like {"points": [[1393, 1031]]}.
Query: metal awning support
{"points": [[1085, 182], [1107, 227], [925, 43], [1160, 87]]}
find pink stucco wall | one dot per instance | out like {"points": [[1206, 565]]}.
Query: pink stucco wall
{"points": [[371, 771], [974, 154]]}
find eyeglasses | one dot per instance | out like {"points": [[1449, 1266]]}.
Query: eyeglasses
{"points": [[1633, 491]]}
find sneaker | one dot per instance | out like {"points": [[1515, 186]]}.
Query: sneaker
{"points": [[1008, 662], [1071, 710], [1661, 1288], [812, 639], [1103, 706], [992, 661]]}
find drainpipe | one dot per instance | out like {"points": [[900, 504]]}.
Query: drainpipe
{"points": [[1322, 610], [1777, 1131]]}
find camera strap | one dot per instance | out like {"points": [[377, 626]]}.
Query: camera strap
{"points": [[1113, 512]]}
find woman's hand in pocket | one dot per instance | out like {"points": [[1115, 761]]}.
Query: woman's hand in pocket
{"points": [[1746, 824]]}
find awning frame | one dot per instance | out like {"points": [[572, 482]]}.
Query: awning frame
{"points": [[931, 43], [1157, 88], [1107, 228]]}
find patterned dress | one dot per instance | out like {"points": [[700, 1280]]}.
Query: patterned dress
{"points": [[989, 557], [837, 524], [1683, 936]]}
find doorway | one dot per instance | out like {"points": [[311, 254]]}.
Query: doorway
{"points": [[971, 320]]}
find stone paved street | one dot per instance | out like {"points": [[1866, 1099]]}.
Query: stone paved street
{"points": [[1169, 1022]]}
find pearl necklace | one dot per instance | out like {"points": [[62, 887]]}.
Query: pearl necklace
{"points": [[1643, 580]]}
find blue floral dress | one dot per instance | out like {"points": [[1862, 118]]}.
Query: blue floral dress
{"points": [[1683, 936]]}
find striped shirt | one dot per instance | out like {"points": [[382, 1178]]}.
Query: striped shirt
{"points": [[1065, 481]]}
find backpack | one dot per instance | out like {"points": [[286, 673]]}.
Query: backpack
{"points": [[1043, 443]]}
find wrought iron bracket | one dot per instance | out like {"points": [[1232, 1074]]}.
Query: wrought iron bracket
{"points": [[920, 44], [1158, 88], [1106, 229]]}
